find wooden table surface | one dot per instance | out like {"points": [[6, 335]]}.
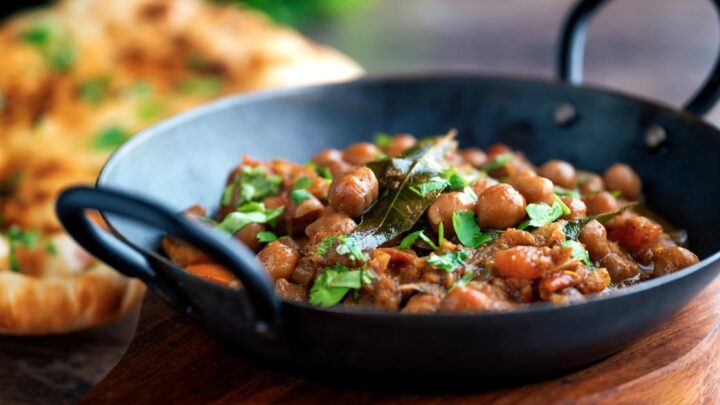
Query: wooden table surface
{"points": [[174, 360]]}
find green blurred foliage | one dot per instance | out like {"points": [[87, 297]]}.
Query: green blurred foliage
{"points": [[300, 13]]}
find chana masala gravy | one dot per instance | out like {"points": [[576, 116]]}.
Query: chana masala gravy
{"points": [[421, 226]]}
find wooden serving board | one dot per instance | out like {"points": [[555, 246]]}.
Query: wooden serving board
{"points": [[172, 359]]}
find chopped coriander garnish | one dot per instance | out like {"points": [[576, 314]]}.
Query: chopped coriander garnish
{"points": [[565, 208], [441, 234], [247, 214], [448, 261], [94, 90], [434, 184], [566, 192], [467, 229], [499, 162], [324, 246], [541, 214], [203, 86], [466, 278], [300, 195], [333, 283], [348, 247], [110, 138], [382, 140], [456, 181], [578, 251], [616, 193], [408, 240], [299, 192], [324, 172], [19, 238], [266, 237], [254, 184]]}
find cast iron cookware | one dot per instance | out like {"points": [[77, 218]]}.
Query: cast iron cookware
{"points": [[185, 160]]}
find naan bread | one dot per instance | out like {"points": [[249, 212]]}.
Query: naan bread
{"points": [[76, 80]]}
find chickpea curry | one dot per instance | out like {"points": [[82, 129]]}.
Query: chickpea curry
{"points": [[420, 226]]}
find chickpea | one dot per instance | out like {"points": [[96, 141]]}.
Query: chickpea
{"points": [[465, 299], [354, 192], [360, 153], [475, 157], [600, 203], [443, 208], [248, 235], [559, 172], [670, 259], [623, 178], [498, 149], [422, 303], [279, 260], [578, 209], [524, 262], [299, 216], [535, 189], [594, 237], [399, 144], [478, 186], [591, 183], [500, 207], [330, 223], [333, 160]]}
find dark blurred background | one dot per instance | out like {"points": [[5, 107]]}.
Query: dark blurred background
{"points": [[659, 49]]}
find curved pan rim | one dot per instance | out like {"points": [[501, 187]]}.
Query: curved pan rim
{"points": [[246, 98]]}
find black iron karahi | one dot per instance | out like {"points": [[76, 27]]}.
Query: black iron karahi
{"points": [[184, 160]]}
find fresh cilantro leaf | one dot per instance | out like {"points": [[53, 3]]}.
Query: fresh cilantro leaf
{"points": [[409, 239], [466, 278], [499, 162], [573, 228], [110, 138], [93, 91], [348, 247], [303, 183], [248, 214], [324, 172], [427, 240], [467, 229], [38, 35], [448, 261], [616, 193], [324, 246], [578, 251], [333, 283], [456, 181], [266, 237], [441, 234], [566, 192], [300, 195], [541, 214], [253, 184], [434, 184], [565, 208], [382, 140], [202, 86]]}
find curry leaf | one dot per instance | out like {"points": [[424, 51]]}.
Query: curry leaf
{"points": [[400, 209]]}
